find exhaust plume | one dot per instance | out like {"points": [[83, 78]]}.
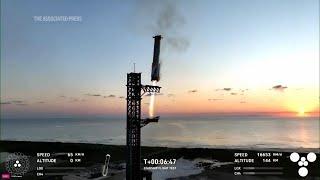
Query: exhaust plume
{"points": [[152, 100]]}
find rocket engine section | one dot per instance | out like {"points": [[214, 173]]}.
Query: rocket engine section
{"points": [[155, 72]]}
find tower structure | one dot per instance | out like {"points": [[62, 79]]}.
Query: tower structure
{"points": [[135, 91]]}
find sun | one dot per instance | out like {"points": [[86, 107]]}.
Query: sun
{"points": [[301, 112]]}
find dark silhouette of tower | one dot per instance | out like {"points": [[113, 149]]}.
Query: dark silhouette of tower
{"points": [[135, 91], [133, 126]]}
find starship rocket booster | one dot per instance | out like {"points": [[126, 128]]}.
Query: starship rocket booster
{"points": [[155, 72]]}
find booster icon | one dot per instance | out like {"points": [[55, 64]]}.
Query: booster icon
{"points": [[303, 162]]}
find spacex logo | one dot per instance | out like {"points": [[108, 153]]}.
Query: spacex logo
{"points": [[303, 162]]}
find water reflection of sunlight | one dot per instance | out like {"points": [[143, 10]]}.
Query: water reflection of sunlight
{"points": [[303, 135]]}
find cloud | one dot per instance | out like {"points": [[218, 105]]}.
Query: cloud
{"points": [[233, 93], [74, 99], [40, 102], [157, 94], [171, 95], [95, 95], [193, 91], [110, 96], [215, 99], [99, 95], [15, 102], [243, 102], [22, 104], [3, 103], [121, 97], [279, 88], [224, 89], [243, 90]]}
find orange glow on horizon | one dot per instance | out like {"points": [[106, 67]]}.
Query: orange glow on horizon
{"points": [[301, 112]]}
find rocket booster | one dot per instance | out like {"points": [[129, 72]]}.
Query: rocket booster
{"points": [[155, 71]]}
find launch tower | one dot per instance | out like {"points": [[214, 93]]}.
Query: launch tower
{"points": [[135, 91]]}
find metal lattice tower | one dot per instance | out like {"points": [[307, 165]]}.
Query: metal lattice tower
{"points": [[134, 123]]}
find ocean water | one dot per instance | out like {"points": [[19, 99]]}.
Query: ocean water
{"points": [[224, 132]]}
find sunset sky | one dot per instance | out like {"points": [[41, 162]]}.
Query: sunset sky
{"points": [[227, 56]]}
